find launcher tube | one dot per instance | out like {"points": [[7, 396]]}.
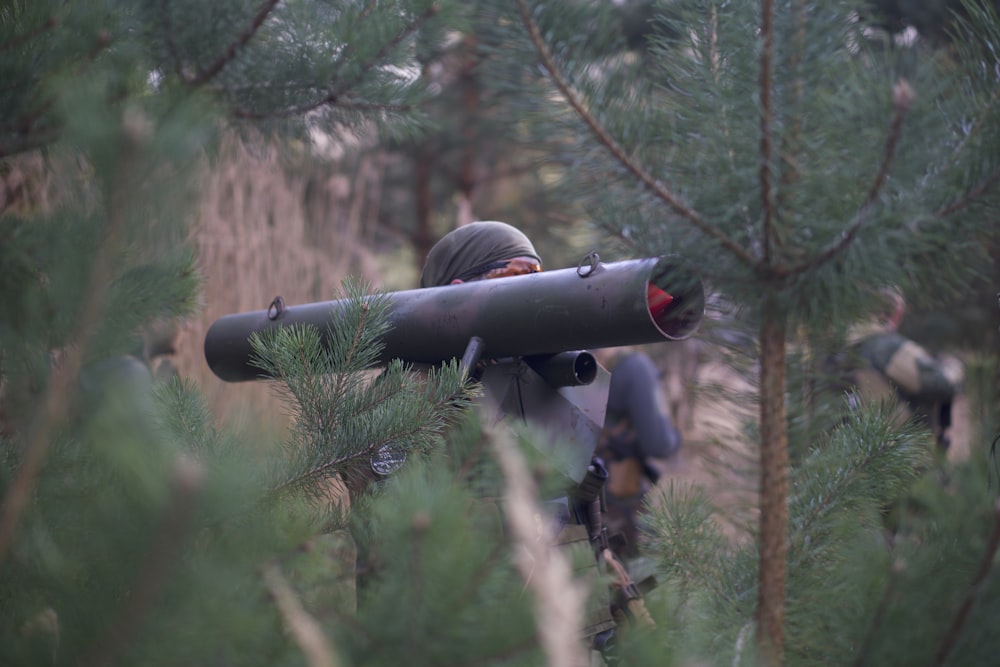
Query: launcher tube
{"points": [[594, 306]]}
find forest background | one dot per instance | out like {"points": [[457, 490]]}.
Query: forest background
{"points": [[363, 192]]}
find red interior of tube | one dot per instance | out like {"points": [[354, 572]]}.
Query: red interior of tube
{"points": [[658, 300]]}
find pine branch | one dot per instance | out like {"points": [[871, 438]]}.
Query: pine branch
{"points": [[349, 618], [406, 31], [978, 124], [344, 464], [304, 629], [18, 40], [420, 522], [558, 600], [26, 124], [102, 42], [340, 384], [792, 140], [333, 97], [616, 150], [171, 44], [62, 385], [684, 534], [873, 447], [369, 8], [972, 594], [902, 98], [186, 483], [426, 420], [880, 613], [971, 44], [375, 106], [33, 137], [36, 139], [229, 53], [473, 584], [472, 459], [342, 420], [319, 374], [971, 195], [307, 385]]}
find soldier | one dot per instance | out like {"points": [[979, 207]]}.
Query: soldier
{"points": [[160, 340], [886, 363], [125, 382], [638, 438], [479, 251], [490, 249], [476, 251]]}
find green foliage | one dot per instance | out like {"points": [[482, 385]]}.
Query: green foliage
{"points": [[191, 518], [137, 530], [344, 418], [883, 540], [441, 567], [673, 164], [799, 161]]}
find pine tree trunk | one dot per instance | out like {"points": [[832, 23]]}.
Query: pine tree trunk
{"points": [[423, 237], [467, 177], [773, 486]]}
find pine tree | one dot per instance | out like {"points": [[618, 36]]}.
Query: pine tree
{"points": [[800, 166], [137, 529], [478, 160]]}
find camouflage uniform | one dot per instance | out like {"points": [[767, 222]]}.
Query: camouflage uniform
{"points": [[889, 364]]}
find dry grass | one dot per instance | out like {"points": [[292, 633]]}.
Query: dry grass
{"points": [[25, 184], [263, 229], [267, 224]]}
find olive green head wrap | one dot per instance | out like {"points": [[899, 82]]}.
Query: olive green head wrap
{"points": [[478, 244]]}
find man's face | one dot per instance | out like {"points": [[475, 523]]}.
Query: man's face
{"points": [[517, 266]]}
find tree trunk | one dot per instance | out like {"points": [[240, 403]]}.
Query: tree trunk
{"points": [[467, 177], [770, 614], [423, 238]]}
